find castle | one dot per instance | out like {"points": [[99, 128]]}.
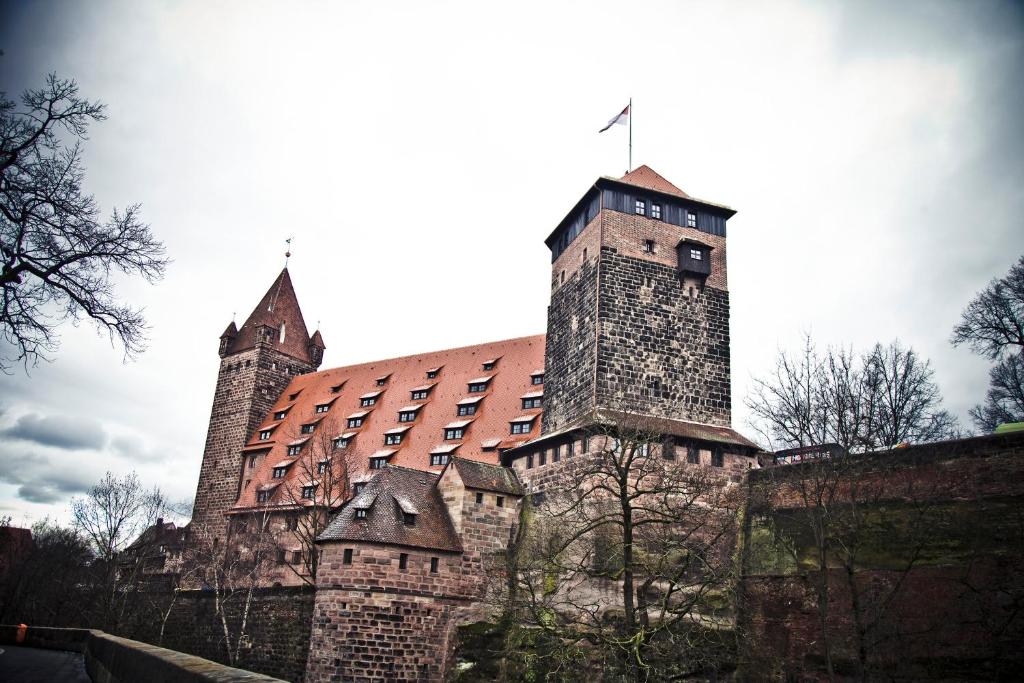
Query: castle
{"points": [[410, 471]]}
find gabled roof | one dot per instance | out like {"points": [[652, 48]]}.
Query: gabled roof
{"points": [[487, 477], [278, 305], [646, 177], [383, 523]]}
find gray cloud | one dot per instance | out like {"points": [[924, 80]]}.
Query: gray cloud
{"points": [[133, 448], [40, 480], [70, 433]]}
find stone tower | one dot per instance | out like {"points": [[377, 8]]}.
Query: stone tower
{"points": [[257, 363], [639, 312]]}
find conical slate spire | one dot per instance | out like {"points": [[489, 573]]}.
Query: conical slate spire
{"points": [[278, 307]]}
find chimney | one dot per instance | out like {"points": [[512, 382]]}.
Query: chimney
{"points": [[159, 521]]}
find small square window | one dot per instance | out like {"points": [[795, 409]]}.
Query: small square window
{"points": [[537, 379], [392, 439], [279, 472], [367, 402], [361, 513], [649, 246], [265, 434], [346, 557], [407, 416], [296, 557], [408, 519], [639, 208], [489, 366], [420, 395], [696, 255], [295, 450], [358, 488], [403, 561], [434, 563], [529, 403], [691, 220], [499, 501], [717, 458], [321, 467], [656, 211], [454, 434], [479, 498], [382, 381], [354, 422], [477, 387], [341, 443], [323, 408], [432, 374], [308, 491], [467, 409], [308, 428], [438, 459], [693, 455]]}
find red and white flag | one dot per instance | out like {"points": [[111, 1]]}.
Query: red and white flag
{"points": [[622, 118]]}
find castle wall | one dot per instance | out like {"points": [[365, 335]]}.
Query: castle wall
{"points": [[955, 614], [248, 384]]}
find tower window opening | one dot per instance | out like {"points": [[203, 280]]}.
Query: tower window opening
{"points": [[434, 562], [639, 208], [403, 560], [691, 220], [280, 336], [656, 211], [347, 556], [649, 246], [696, 255]]}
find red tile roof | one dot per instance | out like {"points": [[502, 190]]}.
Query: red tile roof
{"points": [[500, 403], [278, 305], [644, 176]]}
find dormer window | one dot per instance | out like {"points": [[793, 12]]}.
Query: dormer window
{"points": [[479, 384], [369, 399], [439, 459], [691, 220], [392, 439], [308, 491], [292, 397], [490, 364], [342, 442], [381, 381], [408, 519], [295, 449], [408, 413], [529, 403], [265, 434], [308, 428], [361, 513], [454, 434], [321, 467], [281, 414], [337, 387], [467, 409], [432, 374], [522, 424], [264, 496], [279, 472], [354, 422], [421, 393], [323, 408], [639, 207], [656, 211], [358, 487], [537, 377], [377, 463]]}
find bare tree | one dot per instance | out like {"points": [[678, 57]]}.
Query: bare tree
{"points": [[58, 255], [320, 484], [111, 515], [232, 571], [656, 532], [875, 400], [992, 325], [830, 511]]}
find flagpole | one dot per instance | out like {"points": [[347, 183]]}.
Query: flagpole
{"points": [[630, 168]]}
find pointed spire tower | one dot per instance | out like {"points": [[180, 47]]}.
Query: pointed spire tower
{"points": [[258, 360]]}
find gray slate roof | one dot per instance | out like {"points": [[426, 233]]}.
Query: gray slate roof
{"points": [[392, 489], [487, 477]]}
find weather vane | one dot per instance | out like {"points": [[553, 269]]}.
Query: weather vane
{"points": [[288, 252]]}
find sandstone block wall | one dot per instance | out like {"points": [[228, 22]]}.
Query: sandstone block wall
{"points": [[248, 385]]}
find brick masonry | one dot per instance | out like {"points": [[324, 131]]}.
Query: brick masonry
{"points": [[248, 384]]}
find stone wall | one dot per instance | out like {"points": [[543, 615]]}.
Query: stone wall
{"points": [[939, 577], [277, 642], [661, 351], [248, 385]]}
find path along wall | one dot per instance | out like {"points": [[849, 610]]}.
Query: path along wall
{"points": [[937, 586]]}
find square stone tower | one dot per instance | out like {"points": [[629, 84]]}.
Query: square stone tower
{"points": [[639, 314], [257, 363]]}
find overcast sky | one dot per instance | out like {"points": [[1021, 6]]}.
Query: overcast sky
{"points": [[420, 152]]}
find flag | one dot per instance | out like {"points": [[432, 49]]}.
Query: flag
{"points": [[622, 118]]}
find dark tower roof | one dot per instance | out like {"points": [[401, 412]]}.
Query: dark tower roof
{"points": [[317, 340], [279, 305]]}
